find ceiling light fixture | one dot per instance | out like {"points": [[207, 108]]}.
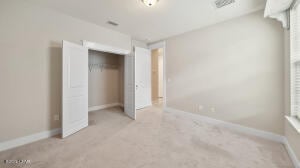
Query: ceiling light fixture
{"points": [[150, 3]]}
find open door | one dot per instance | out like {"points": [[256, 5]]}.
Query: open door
{"points": [[75, 88], [143, 77], [129, 86]]}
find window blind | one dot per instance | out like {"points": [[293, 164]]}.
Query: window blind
{"points": [[295, 60], [297, 89]]}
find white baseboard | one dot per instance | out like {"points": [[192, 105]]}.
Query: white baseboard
{"points": [[104, 106], [28, 139], [236, 127], [251, 131], [263, 134], [291, 153], [45, 134]]}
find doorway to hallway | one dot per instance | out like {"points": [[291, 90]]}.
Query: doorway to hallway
{"points": [[157, 69]]}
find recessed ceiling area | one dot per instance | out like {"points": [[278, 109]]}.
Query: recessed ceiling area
{"points": [[148, 24]]}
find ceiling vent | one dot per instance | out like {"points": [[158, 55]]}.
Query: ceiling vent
{"points": [[112, 23], [222, 3]]}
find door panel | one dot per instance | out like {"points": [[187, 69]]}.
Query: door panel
{"points": [[75, 88], [129, 86], [143, 77]]}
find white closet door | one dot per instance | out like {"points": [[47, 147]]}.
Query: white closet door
{"points": [[75, 88], [129, 86], [143, 77]]}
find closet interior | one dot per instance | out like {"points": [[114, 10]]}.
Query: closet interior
{"points": [[106, 80]]}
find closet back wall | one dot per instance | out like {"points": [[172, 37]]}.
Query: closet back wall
{"points": [[105, 84]]}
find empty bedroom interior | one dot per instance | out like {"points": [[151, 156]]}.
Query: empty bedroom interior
{"points": [[206, 84]]}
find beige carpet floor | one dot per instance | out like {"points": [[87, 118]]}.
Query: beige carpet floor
{"points": [[155, 140]]}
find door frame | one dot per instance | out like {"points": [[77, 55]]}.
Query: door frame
{"points": [[105, 48], [108, 49], [157, 45]]}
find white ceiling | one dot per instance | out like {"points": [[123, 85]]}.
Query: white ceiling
{"points": [[166, 19]]}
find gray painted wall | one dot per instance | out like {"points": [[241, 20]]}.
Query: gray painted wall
{"points": [[235, 67], [31, 61]]}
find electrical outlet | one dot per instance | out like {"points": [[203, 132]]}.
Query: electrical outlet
{"points": [[212, 109], [200, 108], [56, 117]]}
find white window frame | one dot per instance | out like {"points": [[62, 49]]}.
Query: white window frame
{"points": [[294, 21]]}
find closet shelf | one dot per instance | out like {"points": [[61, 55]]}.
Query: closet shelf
{"points": [[101, 66]]}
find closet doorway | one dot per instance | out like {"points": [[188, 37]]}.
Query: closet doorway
{"points": [[106, 80], [83, 64]]}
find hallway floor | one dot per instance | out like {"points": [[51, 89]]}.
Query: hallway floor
{"points": [[156, 139]]}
